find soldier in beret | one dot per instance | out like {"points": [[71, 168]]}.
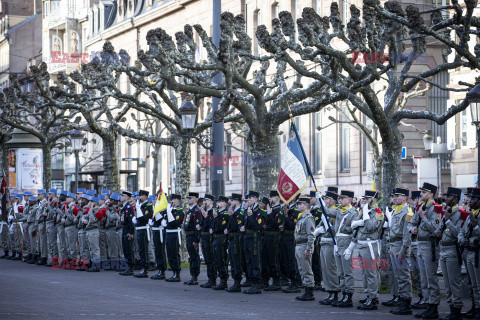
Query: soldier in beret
{"points": [[192, 227], [206, 240], [175, 217]]}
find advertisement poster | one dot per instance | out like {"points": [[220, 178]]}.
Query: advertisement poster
{"points": [[12, 171], [30, 169]]}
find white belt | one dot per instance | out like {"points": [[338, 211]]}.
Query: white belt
{"points": [[161, 232], [20, 225], [179, 234], [343, 235], [326, 239], [414, 243], [1, 225], [370, 246], [144, 228]]}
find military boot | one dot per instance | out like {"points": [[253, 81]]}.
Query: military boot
{"points": [[404, 309], [27, 257], [254, 289], [433, 313], [332, 297], [307, 295], [292, 288], [210, 283], [159, 276], [4, 255], [18, 256], [93, 269], [127, 272], [318, 287], [33, 259], [247, 283], [174, 278], [470, 314], [236, 287], [221, 286], [420, 304], [347, 302], [275, 286], [11, 256], [425, 312], [395, 301], [142, 274], [369, 304], [336, 303], [192, 282], [455, 314], [41, 262]]}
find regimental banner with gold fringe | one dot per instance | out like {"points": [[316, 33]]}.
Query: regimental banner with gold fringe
{"points": [[161, 203]]}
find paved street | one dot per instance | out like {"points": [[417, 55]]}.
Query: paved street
{"points": [[30, 291]]}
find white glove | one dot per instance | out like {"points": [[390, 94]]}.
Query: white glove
{"points": [[164, 223], [170, 217], [11, 229], [318, 195], [10, 218], [134, 220], [150, 222], [318, 231], [366, 212], [388, 214], [335, 249], [348, 252], [139, 211], [357, 223]]}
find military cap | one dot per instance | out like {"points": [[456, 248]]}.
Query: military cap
{"points": [[91, 192], [126, 193], [102, 197], [236, 196], [331, 195], [457, 192], [143, 193], [87, 197], [106, 192], [222, 198], [209, 196], [175, 196], [252, 193], [33, 198], [151, 198], [193, 195], [265, 200], [71, 195], [429, 187], [475, 193], [415, 194], [81, 190], [64, 192], [333, 189], [469, 191], [95, 199], [42, 191], [303, 198], [312, 194], [401, 191], [18, 196], [347, 194], [27, 193], [370, 194], [115, 196], [52, 191], [273, 193]]}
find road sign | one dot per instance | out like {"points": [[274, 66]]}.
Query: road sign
{"points": [[404, 153]]}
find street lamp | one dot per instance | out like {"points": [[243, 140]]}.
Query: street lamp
{"points": [[189, 114], [77, 142], [473, 98], [427, 141]]}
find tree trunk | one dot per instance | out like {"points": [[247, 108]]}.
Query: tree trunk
{"points": [[155, 157], [47, 165], [377, 169], [392, 164], [110, 162], [264, 161]]}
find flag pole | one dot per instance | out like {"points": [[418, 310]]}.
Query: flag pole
{"points": [[311, 175]]}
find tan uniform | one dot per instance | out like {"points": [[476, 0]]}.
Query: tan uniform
{"points": [[343, 235], [327, 255], [304, 239]]}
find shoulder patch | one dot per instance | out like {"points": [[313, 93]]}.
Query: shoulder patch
{"points": [[259, 220], [408, 218], [379, 216]]}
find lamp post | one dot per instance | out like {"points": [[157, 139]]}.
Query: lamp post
{"points": [[473, 97], [77, 141]]}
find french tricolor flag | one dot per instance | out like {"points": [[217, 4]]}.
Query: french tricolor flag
{"points": [[294, 172]]}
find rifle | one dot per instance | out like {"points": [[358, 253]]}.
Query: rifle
{"points": [[414, 236]]}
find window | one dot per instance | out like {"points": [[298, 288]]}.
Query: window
{"points": [[275, 10], [343, 8], [56, 44], [198, 173], [317, 6], [344, 145], [228, 141], [463, 129], [317, 143], [367, 146], [256, 23], [294, 11]]}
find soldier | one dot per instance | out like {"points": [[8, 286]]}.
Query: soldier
{"points": [[16, 213], [42, 234], [127, 214], [450, 258], [111, 221], [23, 223], [367, 228], [143, 212], [82, 236], [469, 240], [92, 234], [175, 218], [219, 231], [253, 224], [270, 243], [316, 267], [51, 227], [420, 304], [60, 216], [343, 236], [192, 227], [158, 233], [32, 230], [102, 231], [236, 220], [304, 240], [206, 241], [327, 249], [423, 225], [71, 212], [287, 247], [399, 243]]}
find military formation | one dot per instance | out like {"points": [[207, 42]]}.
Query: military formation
{"points": [[313, 243]]}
